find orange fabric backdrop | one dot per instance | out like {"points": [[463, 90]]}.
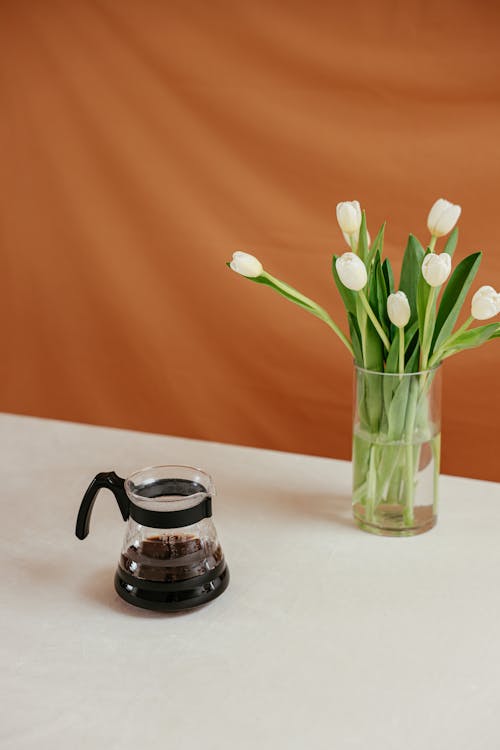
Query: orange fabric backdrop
{"points": [[142, 142]]}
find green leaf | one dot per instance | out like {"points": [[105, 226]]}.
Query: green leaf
{"points": [[348, 296], [388, 276], [390, 384], [411, 273], [451, 242], [397, 396], [373, 359], [361, 452], [377, 246], [355, 339], [413, 352], [453, 298], [374, 354], [389, 285], [363, 238], [361, 317], [381, 294], [285, 290], [392, 361], [473, 338], [397, 409], [286, 294], [373, 406], [412, 363]]}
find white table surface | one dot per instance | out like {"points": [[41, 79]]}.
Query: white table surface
{"points": [[327, 637]]}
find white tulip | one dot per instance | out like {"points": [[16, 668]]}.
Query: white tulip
{"points": [[436, 268], [349, 217], [398, 309], [442, 217], [485, 303], [351, 271], [246, 264]]}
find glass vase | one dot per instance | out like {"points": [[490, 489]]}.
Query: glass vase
{"points": [[396, 451]]}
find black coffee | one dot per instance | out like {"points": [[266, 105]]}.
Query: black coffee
{"points": [[170, 558]]}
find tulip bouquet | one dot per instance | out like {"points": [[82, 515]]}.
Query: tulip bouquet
{"points": [[398, 338]]}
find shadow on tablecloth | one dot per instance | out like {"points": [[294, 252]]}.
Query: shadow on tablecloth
{"points": [[99, 589]]}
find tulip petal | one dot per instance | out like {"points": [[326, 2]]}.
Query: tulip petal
{"points": [[485, 303], [398, 309], [351, 271], [349, 216], [442, 217], [246, 265], [436, 268]]}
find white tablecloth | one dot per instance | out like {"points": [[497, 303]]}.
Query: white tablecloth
{"points": [[327, 637]]}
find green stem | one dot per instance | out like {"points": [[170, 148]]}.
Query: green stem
{"points": [[408, 500], [373, 319], [435, 358], [409, 464], [371, 487], [459, 330], [393, 487], [290, 290], [352, 243], [329, 322], [401, 350], [428, 328], [436, 454], [450, 353], [361, 316], [432, 243], [312, 307]]}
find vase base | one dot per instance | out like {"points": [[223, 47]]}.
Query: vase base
{"points": [[389, 520]]}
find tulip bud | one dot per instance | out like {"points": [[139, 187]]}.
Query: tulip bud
{"points": [[398, 309], [246, 264], [351, 271], [436, 268], [442, 217], [485, 303], [349, 217]]}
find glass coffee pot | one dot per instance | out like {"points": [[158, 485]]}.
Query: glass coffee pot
{"points": [[171, 557]]}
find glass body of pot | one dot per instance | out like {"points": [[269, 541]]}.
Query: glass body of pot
{"points": [[171, 557], [396, 451], [169, 554]]}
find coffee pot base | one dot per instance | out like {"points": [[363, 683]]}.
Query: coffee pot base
{"points": [[172, 597]]}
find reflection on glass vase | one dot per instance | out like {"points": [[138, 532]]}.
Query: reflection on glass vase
{"points": [[396, 451]]}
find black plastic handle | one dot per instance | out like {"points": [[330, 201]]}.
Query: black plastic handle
{"points": [[107, 480]]}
